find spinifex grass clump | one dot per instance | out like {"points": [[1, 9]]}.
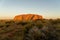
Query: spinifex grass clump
{"points": [[39, 31], [30, 30]]}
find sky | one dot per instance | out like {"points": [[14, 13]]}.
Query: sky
{"points": [[46, 8]]}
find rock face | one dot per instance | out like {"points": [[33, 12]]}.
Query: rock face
{"points": [[26, 17]]}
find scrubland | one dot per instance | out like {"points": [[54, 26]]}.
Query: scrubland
{"points": [[45, 29]]}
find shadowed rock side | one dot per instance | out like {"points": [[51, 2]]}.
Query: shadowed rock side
{"points": [[26, 17]]}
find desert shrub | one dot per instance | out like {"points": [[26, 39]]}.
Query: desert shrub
{"points": [[30, 30], [55, 21], [40, 31]]}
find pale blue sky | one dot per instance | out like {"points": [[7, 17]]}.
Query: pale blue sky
{"points": [[46, 8]]}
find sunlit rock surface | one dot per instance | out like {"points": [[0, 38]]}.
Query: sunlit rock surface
{"points": [[26, 17]]}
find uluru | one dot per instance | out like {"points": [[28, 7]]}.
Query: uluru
{"points": [[26, 17]]}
